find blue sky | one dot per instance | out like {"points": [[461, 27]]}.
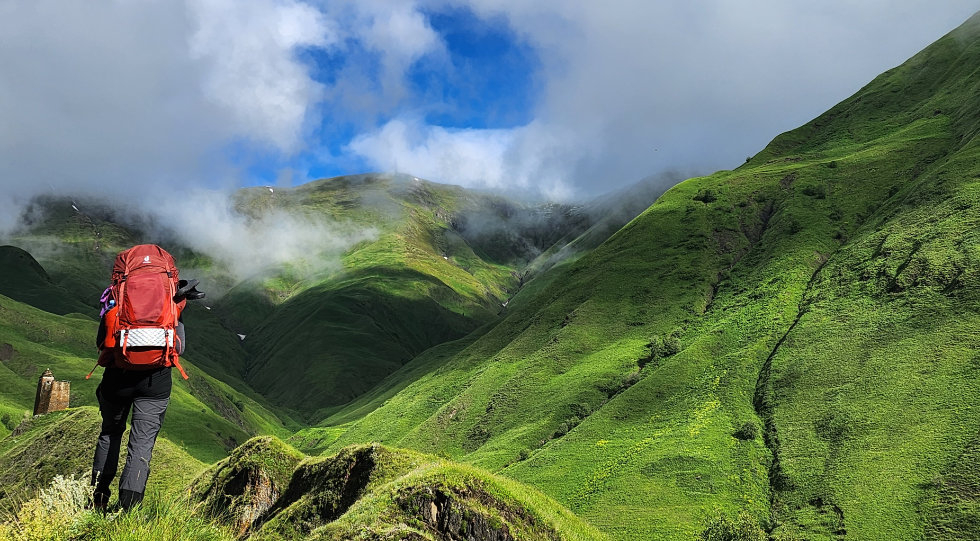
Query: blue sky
{"points": [[561, 99], [483, 78]]}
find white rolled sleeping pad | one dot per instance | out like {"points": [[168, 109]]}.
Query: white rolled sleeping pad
{"points": [[147, 337]]}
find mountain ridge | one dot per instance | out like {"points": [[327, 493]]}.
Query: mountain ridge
{"points": [[792, 342], [742, 262]]}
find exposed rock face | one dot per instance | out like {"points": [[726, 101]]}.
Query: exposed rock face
{"points": [[368, 492], [449, 518], [256, 492], [323, 489], [242, 487]]}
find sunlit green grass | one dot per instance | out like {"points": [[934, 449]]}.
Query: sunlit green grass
{"points": [[824, 298]]}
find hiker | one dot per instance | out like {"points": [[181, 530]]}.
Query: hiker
{"points": [[140, 338]]}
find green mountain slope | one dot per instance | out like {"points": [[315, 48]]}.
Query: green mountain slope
{"points": [[207, 417], [75, 243], [61, 443], [424, 279], [428, 268], [794, 339], [25, 280], [426, 272]]}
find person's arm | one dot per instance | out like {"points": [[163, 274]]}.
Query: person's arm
{"points": [[100, 336]]}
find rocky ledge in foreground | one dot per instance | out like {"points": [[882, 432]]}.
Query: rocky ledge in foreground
{"points": [[371, 491]]}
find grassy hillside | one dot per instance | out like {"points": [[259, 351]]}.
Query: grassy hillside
{"points": [[264, 490], [74, 242], [26, 281], [435, 262], [793, 340], [425, 278], [429, 263], [62, 443], [207, 417]]}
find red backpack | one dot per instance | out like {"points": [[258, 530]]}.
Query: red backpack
{"points": [[141, 327]]}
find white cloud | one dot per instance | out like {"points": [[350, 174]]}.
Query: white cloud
{"points": [[125, 97], [633, 87], [475, 157], [252, 246], [401, 34], [252, 74], [515, 160], [143, 98]]}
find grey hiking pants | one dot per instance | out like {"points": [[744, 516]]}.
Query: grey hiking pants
{"points": [[147, 394]]}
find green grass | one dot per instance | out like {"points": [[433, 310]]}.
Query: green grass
{"points": [[823, 293], [58, 513], [160, 517], [206, 416], [63, 443], [791, 343]]}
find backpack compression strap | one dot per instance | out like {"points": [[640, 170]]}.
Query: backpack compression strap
{"points": [[181, 368]]}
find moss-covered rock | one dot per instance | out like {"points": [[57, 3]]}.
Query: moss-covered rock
{"points": [[376, 492], [240, 488], [443, 500], [324, 488]]}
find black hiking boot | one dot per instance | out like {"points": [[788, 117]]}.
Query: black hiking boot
{"points": [[99, 501], [129, 499]]}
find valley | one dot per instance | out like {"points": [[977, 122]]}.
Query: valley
{"points": [[788, 347]]}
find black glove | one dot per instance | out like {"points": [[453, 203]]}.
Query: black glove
{"points": [[187, 290]]}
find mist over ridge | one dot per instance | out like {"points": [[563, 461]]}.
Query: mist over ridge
{"points": [[782, 350], [149, 100]]}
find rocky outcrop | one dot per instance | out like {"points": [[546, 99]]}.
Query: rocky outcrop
{"points": [[241, 488], [373, 492], [451, 517], [324, 488]]}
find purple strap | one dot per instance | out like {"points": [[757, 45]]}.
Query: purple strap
{"points": [[106, 296]]}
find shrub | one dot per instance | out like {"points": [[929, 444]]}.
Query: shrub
{"points": [[741, 528], [748, 431], [816, 191], [672, 346], [51, 514], [706, 196], [629, 380], [793, 226], [654, 350], [581, 409]]}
